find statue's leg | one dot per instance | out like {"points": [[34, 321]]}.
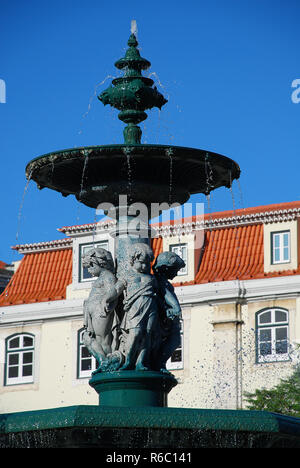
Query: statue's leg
{"points": [[148, 344], [169, 345], [103, 332], [142, 360], [93, 346], [132, 348]]}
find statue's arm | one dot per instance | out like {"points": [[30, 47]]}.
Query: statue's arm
{"points": [[114, 290], [173, 308]]}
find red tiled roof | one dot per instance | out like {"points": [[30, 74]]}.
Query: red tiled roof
{"points": [[234, 253], [255, 209], [41, 277], [2, 265], [44, 276], [230, 252]]}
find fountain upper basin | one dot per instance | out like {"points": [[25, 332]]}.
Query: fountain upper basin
{"points": [[145, 173]]}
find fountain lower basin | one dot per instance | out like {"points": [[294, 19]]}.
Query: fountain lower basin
{"points": [[88, 426]]}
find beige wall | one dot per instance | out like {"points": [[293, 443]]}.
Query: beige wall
{"points": [[56, 382], [219, 359]]}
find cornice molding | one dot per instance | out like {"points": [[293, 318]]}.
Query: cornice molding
{"points": [[75, 231], [209, 294], [165, 230], [60, 244]]}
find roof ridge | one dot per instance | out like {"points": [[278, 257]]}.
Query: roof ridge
{"points": [[34, 247], [238, 213]]}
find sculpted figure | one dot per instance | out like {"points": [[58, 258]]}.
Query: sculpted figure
{"points": [[166, 267], [140, 308], [100, 321]]}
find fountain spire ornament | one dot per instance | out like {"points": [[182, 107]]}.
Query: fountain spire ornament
{"points": [[133, 93]]}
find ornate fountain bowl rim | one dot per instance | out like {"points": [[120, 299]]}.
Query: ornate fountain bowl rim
{"points": [[135, 149], [193, 171]]}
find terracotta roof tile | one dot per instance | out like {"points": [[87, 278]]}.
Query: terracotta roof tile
{"points": [[229, 253], [2, 265], [41, 277], [44, 276]]}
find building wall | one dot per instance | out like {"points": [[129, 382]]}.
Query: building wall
{"points": [[219, 331], [219, 362], [56, 383]]}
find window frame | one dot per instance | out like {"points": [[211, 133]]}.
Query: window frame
{"points": [[183, 271], [81, 374], [20, 351], [281, 247], [273, 326], [104, 244]]}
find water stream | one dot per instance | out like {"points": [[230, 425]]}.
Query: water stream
{"points": [[127, 153], [21, 207], [91, 99], [85, 165]]}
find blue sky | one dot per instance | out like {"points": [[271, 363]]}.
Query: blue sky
{"points": [[227, 68]]}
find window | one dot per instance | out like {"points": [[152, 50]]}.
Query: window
{"points": [[272, 335], [19, 359], [280, 245], [84, 274], [86, 362], [181, 250], [176, 360]]}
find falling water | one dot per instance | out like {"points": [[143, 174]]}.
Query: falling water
{"points": [[85, 164], [21, 206], [154, 74], [233, 200], [129, 175], [94, 228], [208, 174], [127, 152], [207, 196], [241, 194], [19, 224], [171, 176], [91, 101], [237, 236], [209, 186]]}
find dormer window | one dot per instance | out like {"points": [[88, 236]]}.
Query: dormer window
{"points": [[84, 274], [182, 251], [280, 245]]}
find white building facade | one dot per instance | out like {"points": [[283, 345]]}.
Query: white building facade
{"points": [[240, 298]]}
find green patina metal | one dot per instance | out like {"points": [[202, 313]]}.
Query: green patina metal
{"points": [[103, 426], [97, 174], [133, 388], [133, 93]]}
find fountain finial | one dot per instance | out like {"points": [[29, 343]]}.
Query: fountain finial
{"points": [[133, 93]]}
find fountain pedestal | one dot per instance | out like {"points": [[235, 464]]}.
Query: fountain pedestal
{"points": [[133, 388]]}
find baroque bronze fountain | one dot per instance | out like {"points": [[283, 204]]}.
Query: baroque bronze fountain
{"points": [[132, 314]]}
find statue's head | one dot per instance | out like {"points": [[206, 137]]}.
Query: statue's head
{"points": [[97, 259], [168, 264], [140, 257]]}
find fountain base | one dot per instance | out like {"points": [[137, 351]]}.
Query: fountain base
{"points": [[133, 388], [145, 427]]}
